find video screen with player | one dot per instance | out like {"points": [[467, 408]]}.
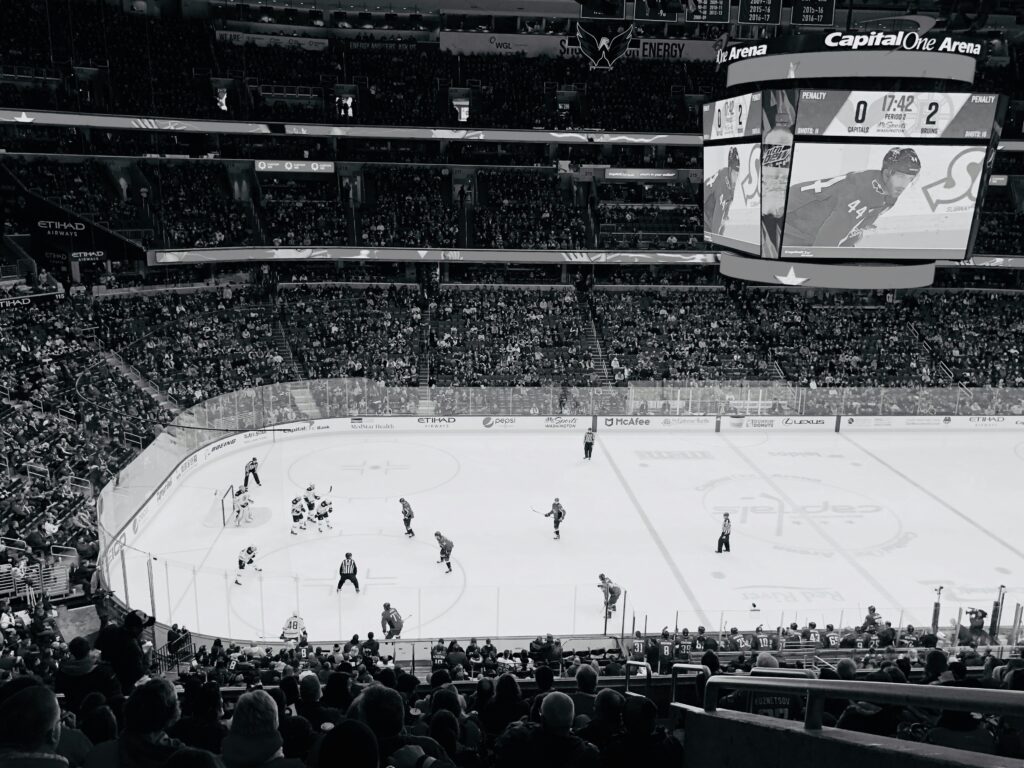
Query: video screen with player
{"points": [[732, 196], [881, 200]]}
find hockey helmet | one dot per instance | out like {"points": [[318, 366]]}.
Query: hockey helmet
{"points": [[387, 605], [733, 630], [556, 499], [437, 533], [402, 499], [902, 160], [601, 576], [701, 630], [812, 625], [686, 632], [829, 628], [794, 625], [348, 554]]}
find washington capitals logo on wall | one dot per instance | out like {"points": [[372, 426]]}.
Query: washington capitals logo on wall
{"points": [[602, 53]]}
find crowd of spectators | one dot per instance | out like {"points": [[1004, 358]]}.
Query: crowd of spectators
{"points": [[303, 212], [507, 337], [352, 705], [409, 207], [526, 209], [197, 207], [87, 188], [368, 332], [194, 345]]}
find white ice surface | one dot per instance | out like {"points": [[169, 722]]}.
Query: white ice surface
{"points": [[823, 526]]}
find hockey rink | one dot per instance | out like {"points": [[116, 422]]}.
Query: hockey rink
{"points": [[824, 524]]}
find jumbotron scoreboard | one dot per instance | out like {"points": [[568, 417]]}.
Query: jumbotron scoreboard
{"points": [[837, 181]]}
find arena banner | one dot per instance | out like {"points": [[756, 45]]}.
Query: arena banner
{"points": [[60, 235], [863, 41], [23, 118], [567, 46], [658, 423], [582, 136], [276, 41], [779, 423], [8, 303], [203, 255]]}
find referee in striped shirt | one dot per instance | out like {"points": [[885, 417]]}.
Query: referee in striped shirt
{"points": [[347, 572]]}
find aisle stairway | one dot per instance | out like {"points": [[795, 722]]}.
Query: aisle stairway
{"points": [[284, 349], [425, 406], [132, 374], [592, 339]]}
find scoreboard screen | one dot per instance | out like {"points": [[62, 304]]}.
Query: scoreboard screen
{"points": [[896, 114], [886, 201], [735, 118], [732, 195], [814, 12], [760, 11]]}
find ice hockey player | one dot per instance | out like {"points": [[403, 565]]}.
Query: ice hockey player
{"points": [[446, 549], [736, 642], [311, 497], [347, 572], [294, 628], [588, 443], [666, 653], [391, 622], [719, 191], [243, 506], [832, 638], [684, 645], [250, 471], [835, 212], [298, 516], [246, 557], [323, 515], [810, 634], [558, 513], [703, 643], [407, 517], [611, 591], [761, 641]]}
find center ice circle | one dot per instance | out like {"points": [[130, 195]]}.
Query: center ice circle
{"points": [[366, 469]]}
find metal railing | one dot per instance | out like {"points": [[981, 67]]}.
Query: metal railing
{"points": [[638, 665], [993, 702]]}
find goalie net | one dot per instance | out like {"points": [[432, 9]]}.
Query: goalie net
{"points": [[227, 506]]}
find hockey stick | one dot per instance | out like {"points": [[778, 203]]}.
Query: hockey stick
{"points": [[537, 511]]}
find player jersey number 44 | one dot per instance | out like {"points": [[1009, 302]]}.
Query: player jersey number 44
{"points": [[836, 211]]}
